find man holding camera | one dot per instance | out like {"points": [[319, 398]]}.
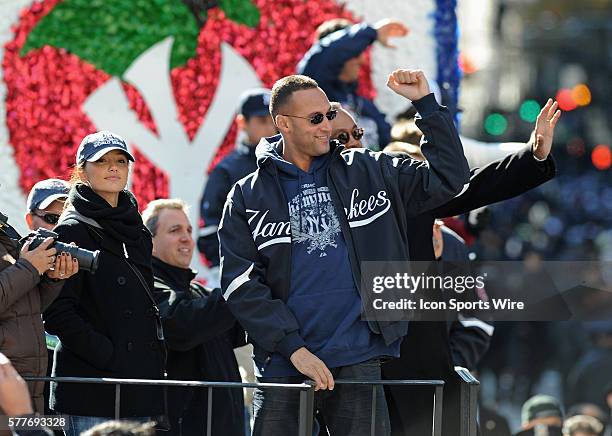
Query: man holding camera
{"points": [[29, 281]]}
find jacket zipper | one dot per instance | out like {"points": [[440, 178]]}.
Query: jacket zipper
{"points": [[344, 224]]}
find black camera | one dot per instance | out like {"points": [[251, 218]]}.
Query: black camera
{"points": [[88, 260]]}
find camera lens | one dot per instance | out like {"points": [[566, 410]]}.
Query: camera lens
{"points": [[88, 260]]}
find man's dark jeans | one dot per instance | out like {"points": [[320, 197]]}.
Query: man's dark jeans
{"points": [[347, 410]]}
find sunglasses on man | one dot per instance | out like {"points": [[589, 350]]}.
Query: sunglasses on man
{"points": [[356, 133], [316, 118], [49, 218]]}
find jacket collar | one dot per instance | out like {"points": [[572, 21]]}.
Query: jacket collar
{"points": [[271, 148], [174, 276]]}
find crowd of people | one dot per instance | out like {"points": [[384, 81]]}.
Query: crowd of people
{"points": [[288, 218]]}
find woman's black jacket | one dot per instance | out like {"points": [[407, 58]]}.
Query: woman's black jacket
{"points": [[106, 323]]}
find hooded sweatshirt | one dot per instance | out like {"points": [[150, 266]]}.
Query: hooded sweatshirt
{"points": [[322, 296]]}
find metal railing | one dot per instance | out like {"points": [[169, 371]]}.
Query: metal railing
{"points": [[306, 395], [469, 402], [438, 398]]}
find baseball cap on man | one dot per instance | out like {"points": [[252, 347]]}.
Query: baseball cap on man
{"points": [[46, 192], [255, 102], [540, 406], [96, 145]]}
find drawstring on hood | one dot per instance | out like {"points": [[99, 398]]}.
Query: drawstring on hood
{"points": [[269, 150]]}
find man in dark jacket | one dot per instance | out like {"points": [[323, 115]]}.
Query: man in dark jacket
{"points": [[200, 331], [254, 122], [431, 350], [335, 60], [294, 234]]}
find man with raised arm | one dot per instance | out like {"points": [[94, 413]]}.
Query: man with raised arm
{"points": [[292, 239]]}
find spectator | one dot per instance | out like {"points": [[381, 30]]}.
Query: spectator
{"points": [[541, 411], [254, 122], [45, 203], [588, 409], [335, 60], [107, 323], [286, 244], [201, 332], [43, 208], [345, 129], [582, 425], [498, 181], [29, 281]]}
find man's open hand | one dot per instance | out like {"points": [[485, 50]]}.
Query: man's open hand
{"points": [[313, 368], [389, 28], [544, 131], [411, 84]]}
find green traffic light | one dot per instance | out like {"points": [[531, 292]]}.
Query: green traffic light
{"points": [[529, 110], [495, 124]]}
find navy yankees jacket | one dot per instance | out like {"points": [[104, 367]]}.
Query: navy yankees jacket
{"points": [[373, 194]]}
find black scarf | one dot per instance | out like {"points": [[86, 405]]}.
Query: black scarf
{"points": [[122, 223]]}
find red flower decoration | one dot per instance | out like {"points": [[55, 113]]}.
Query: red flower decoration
{"points": [[47, 87]]}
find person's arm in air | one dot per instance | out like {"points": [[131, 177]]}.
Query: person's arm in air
{"points": [[512, 175], [325, 59], [426, 185]]}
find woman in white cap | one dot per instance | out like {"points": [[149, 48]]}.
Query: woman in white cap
{"points": [[107, 322]]}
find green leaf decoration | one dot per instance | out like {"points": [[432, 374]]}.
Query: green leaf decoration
{"points": [[110, 34], [241, 11]]}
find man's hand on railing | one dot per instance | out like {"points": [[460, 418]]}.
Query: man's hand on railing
{"points": [[312, 367], [14, 395]]}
